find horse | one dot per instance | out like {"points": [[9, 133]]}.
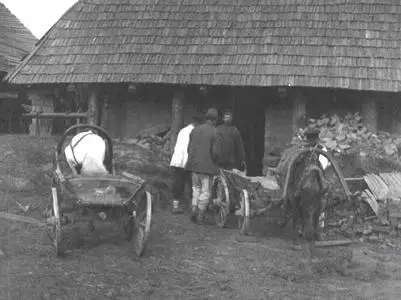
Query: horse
{"points": [[85, 154], [306, 198]]}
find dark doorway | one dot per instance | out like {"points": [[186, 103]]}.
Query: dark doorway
{"points": [[249, 117]]}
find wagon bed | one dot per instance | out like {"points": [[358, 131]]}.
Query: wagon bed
{"points": [[105, 191]]}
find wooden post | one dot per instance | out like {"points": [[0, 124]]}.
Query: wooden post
{"points": [[177, 117], [105, 111], [41, 101], [369, 112], [93, 105], [299, 111]]}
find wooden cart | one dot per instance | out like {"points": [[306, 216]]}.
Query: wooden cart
{"points": [[120, 198], [247, 197]]}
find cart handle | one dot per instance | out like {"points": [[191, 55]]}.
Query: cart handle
{"points": [[100, 131]]}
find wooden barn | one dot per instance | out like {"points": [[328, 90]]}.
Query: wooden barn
{"points": [[136, 64], [16, 42]]}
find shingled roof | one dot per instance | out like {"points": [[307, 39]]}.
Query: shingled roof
{"points": [[16, 41], [351, 44]]}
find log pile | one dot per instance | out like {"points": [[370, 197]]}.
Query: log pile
{"points": [[157, 138], [349, 134]]}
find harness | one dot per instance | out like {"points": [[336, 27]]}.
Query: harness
{"points": [[78, 165]]}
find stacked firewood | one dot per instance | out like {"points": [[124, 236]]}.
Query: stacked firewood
{"points": [[350, 134], [157, 138]]}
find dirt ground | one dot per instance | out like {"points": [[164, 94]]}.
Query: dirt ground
{"points": [[183, 261]]}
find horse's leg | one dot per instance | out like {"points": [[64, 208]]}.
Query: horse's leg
{"points": [[295, 218]]}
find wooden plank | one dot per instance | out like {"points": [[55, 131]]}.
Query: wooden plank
{"points": [[370, 199], [9, 95], [377, 186], [333, 243], [53, 115]]}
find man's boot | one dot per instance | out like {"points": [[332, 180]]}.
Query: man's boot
{"points": [[200, 219], [193, 213], [176, 209]]}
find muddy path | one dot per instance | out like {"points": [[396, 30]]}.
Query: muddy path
{"points": [[183, 261]]}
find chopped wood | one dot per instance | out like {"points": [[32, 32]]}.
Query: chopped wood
{"points": [[154, 130], [168, 135]]}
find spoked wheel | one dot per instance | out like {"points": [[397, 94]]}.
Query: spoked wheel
{"points": [[57, 234], [243, 213], [221, 200], [142, 219]]}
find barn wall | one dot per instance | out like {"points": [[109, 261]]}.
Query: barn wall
{"points": [[129, 114]]}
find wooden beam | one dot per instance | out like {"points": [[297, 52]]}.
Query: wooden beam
{"points": [[369, 113], [8, 95], [299, 111], [93, 105], [55, 115], [177, 116]]}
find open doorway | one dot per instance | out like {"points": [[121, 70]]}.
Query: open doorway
{"points": [[249, 117]]}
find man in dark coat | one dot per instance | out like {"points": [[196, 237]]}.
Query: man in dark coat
{"points": [[228, 148], [200, 163]]}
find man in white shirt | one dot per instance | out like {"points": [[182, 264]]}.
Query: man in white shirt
{"points": [[178, 162]]}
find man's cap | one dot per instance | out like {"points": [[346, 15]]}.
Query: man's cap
{"points": [[198, 117], [212, 114]]}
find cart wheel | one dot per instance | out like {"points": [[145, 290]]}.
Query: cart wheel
{"points": [[244, 213], [56, 222], [222, 201], [142, 221]]}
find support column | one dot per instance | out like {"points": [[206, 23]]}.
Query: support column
{"points": [[105, 112], [93, 105], [299, 111], [41, 101], [177, 117], [369, 112], [397, 114]]}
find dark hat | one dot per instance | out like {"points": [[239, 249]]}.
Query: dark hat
{"points": [[212, 114], [198, 117]]}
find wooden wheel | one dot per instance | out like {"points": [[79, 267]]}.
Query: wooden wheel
{"points": [[57, 234], [221, 200], [244, 212], [142, 218]]}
